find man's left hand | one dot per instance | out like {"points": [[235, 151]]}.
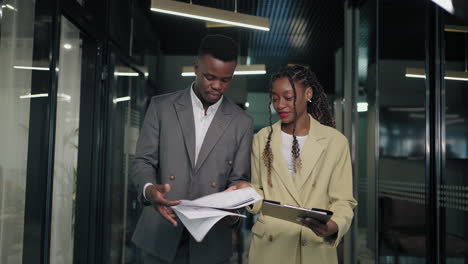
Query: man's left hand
{"points": [[320, 229], [238, 186]]}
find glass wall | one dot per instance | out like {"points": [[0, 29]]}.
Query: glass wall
{"points": [[365, 218], [127, 115], [453, 190], [16, 96], [421, 189], [55, 128], [402, 133], [66, 144]]}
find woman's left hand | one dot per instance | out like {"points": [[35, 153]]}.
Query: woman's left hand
{"points": [[321, 230]]}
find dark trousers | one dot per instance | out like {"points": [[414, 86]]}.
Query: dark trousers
{"points": [[182, 255]]}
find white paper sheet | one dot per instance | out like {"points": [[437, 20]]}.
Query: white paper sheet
{"points": [[226, 200], [200, 215], [192, 212], [198, 228]]}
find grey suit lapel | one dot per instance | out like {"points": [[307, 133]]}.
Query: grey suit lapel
{"points": [[217, 127], [184, 110]]}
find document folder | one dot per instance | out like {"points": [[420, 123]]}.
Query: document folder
{"points": [[291, 213]]}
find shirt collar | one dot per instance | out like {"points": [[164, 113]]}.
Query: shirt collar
{"points": [[198, 104]]}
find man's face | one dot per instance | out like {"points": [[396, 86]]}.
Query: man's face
{"points": [[213, 78]]}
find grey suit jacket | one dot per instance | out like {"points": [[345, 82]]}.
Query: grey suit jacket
{"points": [[165, 154]]}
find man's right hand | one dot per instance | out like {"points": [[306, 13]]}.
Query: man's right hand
{"points": [[155, 194]]}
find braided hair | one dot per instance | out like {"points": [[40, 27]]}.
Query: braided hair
{"points": [[319, 108]]}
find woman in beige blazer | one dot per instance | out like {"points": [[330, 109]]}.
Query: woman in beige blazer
{"points": [[301, 162]]}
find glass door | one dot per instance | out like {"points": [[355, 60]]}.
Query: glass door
{"points": [[453, 190], [402, 135], [74, 136], [18, 97], [126, 115]]}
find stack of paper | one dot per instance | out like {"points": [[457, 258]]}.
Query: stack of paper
{"points": [[200, 215]]}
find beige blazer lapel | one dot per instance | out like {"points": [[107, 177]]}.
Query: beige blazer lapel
{"points": [[184, 111], [279, 164], [217, 127], [310, 153]]}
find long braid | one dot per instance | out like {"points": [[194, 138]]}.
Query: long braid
{"points": [[267, 154], [295, 147], [320, 109]]}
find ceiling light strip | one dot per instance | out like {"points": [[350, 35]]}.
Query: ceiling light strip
{"points": [[31, 68], [255, 69], [210, 14], [122, 99], [129, 74], [456, 28], [449, 75], [27, 96]]}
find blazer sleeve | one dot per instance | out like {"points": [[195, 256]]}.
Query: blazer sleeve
{"points": [[341, 192], [256, 180], [146, 159]]}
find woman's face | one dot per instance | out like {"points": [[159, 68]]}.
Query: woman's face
{"points": [[283, 99]]}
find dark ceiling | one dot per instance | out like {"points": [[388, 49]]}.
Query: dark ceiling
{"points": [[301, 31]]}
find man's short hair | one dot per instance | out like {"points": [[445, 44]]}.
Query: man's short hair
{"points": [[220, 47]]}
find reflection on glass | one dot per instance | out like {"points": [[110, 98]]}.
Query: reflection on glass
{"points": [[402, 134], [126, 122], [365, 141], [16, 47], [453, 192], [66, 145]]}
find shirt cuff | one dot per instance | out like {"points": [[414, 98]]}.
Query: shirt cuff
{"points": [[144, 190]]}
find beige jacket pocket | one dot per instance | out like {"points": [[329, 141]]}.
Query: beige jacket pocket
{"points": [[259, 229]]}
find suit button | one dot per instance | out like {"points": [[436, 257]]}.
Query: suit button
{"points": [[304, 243], [270, 238], [230, 162], [172, 177], [213, 184]]}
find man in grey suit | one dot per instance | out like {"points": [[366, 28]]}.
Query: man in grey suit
{"points": [[194, 142]]}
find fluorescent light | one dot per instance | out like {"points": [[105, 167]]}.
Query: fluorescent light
{"points": [[249, 72], [240, 70], [456, 78], [406, 109], [445, 4], [121, 70], [456, 28], [10, 7], [415, 76], [60, 96], [31, 68], [449, 75], [362, 107], [131, 74], [187, 74], [122, 99], [28, 96], [67, 46], [210, 14]]}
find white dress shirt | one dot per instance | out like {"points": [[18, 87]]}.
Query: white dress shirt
{"points": [[202, 121], [287, 149]]}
